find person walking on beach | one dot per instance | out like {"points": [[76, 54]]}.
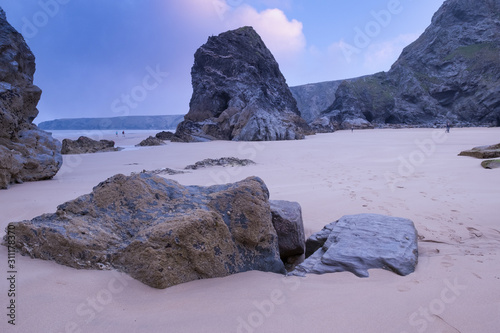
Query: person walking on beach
{"points": [[447, 127], [123, 133]]}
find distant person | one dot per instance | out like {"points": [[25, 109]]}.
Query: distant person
{"points": [[116, 133], [123, 133], [352, 128], [447, 127]]}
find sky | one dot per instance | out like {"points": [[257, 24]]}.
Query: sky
{"points": [[108, 58]]}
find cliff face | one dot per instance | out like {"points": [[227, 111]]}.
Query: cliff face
{"points": [[239, 93], [26, 153], [450, 74]]}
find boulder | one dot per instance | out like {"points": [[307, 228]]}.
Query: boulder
{"points": [[356, 243], [287, 220], [85, 145], [26, 153], [483, 152], [150, 141], [239, 93], [165, 135], [158, 231], [491, 164]]}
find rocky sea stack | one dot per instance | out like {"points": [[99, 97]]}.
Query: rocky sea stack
{"points": [[26, 153], [450, 74], [239, 93]]}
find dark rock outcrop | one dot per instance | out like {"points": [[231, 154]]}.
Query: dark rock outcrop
{"points": [[356, 243], [239, 93], [150, 141], [85, 145], [26, 153], [491, 164], [450, 74], [223, 161], [164, 135], [483, 152], [287, 220], [158, 231]]}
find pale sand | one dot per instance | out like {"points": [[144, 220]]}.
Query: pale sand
{"points": [[452, 200]]}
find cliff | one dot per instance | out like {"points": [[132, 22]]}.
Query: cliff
{"points": [[26, 153], [451, 73]]}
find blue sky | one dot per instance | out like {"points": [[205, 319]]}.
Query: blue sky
{"points": [[105, 58]]}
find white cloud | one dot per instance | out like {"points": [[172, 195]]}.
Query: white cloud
{"points": [[282, 36], [380, 56]]}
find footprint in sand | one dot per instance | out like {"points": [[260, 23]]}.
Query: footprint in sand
{"points": [[447, 262], [474, 233]]}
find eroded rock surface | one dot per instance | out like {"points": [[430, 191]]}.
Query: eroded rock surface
{"points": [[85, 145], [357, 243], [26, 153], [287, 220], [492, 151], [158, 231], [239, 93], [451, 73]]}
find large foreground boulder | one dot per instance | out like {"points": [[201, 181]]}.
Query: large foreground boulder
{"points": [[158, 231], [356, 243], [239, 93], [85, 145], [26, 153]]}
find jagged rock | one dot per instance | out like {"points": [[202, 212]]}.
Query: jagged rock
{"points": [[451, 73], [150, 141], [356, 243], [164, 135], [85, 145], [287, 220], [491, 164], [158, 231], [483, 152], [26, 153], [164, 171], [239, 93], [223, 161]]}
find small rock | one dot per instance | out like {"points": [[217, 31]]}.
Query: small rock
{"points": [[483, 152], [223, 161], [85, 145], [150, 141]]}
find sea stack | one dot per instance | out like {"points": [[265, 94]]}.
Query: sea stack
{"points": [[239, 93], [26, 153]]}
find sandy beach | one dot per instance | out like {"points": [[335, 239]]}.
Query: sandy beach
{"points": [[410, 173]]}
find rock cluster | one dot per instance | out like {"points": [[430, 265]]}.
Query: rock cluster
{"points": [[85, 145], [223, 161], [451, 73], [356, 243], [158, 231], [239, 93], [26, 153]]}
